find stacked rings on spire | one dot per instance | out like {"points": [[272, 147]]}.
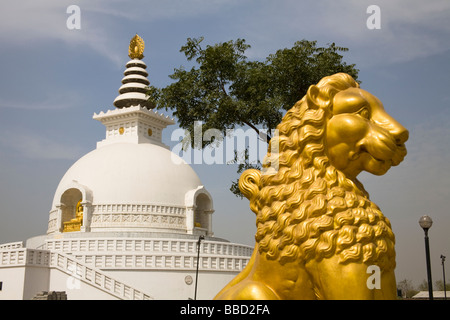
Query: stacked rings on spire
{"points": [[134, 86]]}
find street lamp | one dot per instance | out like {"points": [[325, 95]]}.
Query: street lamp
{"points": [[443, 273], [426, 222], [198, 261]]}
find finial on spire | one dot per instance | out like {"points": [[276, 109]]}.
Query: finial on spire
{"points": [[136, 49], [135, 84]]}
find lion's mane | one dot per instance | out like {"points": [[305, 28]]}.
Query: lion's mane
{"points": [[307, 209]]}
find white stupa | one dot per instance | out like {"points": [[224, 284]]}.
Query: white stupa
{"points": [[126, 218]]}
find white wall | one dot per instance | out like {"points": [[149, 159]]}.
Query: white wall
{"points": [[36, 280], [171, 285], [13, 283]]}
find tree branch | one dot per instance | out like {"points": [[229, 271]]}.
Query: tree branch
{"points": [[222, 86], [267, 136]]}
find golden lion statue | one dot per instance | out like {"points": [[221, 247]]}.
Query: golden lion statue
{"points": [[318, 234]]}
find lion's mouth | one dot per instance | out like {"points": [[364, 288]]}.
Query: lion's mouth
{"points": [[385, 151], [399, 155]]}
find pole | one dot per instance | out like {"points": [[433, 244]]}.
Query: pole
{"points": [[443, 273], [198, 261], [427, 252]]}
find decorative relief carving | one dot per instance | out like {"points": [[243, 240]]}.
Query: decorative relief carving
{"points": [[159, 216]]}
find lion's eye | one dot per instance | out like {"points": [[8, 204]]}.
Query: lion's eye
{"points": [[364, 113]]}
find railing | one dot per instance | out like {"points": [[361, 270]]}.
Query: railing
{"points": [[174, 254], [95, 277], [13, 257], [88, 256], [24, 257], [74, 268], [11, 245], [173, 246], [157, 262]]}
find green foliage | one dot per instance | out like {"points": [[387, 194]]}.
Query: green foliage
{"points": [[295, 69], [225, 90]]}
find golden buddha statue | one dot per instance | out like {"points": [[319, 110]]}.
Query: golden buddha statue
{"points": [[75, 223]]}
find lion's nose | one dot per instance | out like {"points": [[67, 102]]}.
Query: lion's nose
{"points": [[401, 136], [398, 131]]}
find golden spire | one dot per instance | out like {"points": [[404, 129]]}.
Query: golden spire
{"points": [[136, 49]]}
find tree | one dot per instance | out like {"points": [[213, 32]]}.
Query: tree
{"points": [[224, 90], [439, 285], [407, 288]]}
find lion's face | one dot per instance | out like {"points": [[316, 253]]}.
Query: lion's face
{"points": [[361, 135]]}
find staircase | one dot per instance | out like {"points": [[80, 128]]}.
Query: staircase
{"points": [[95, 277], [19, 256]]}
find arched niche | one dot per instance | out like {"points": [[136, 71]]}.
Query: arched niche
{"points": [[72, 195], [202, 208], [199, 209], [69, 201]]}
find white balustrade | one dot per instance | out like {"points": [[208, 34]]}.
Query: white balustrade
{"points": [[95, 277], [155, 253], [11, 245], [86, 258], [72, 267], [148, 245]]}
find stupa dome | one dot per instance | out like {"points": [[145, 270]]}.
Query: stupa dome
{"points": [[132, 187], [129, 220], [131, 182], [129, 173]]}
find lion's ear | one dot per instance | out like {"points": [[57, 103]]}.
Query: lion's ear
{"points": [[316, 97], [249, 186]]}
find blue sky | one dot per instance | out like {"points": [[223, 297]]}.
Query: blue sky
{"points": [[54, 79]]}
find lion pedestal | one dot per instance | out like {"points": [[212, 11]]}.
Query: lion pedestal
{"points": [[318, 234]]}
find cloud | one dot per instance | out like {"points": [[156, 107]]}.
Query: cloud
{"points": [[33, 146], [144, 10], [27, 21], [57, 100], [409, 28]]}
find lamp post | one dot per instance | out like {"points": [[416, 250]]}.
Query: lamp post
{"points": [[198, 261], [443, 273], [426, 222]]}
